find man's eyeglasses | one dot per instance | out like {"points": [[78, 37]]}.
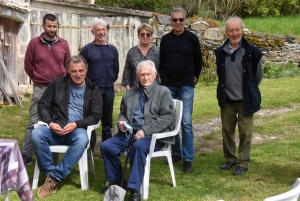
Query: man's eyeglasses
{"points": [[176, 19], [145, 35]]}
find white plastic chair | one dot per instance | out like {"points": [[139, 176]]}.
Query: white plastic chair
{"points": [[83, 166], [291, 195], [165, 152]]}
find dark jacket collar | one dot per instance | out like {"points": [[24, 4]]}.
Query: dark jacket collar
{"points": [[149, 90]]}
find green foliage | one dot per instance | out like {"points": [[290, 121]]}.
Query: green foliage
{"points": [[274, 70], [161, 6], [208, 75], [270, 7]]}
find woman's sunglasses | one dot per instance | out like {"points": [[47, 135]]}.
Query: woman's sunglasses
{"points": [[145, 35], [176, 19]]}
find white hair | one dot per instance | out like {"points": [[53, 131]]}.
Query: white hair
{"points": [[98, 21], [146, 63]]}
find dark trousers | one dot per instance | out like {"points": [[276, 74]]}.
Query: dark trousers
{"points": [[232, 115], [107, 112], [111, 150]]}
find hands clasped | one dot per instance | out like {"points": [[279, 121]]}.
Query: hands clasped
{"points": [[55, 128]]}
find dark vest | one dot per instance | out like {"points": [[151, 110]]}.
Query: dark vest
{"points": [[251, 93]]}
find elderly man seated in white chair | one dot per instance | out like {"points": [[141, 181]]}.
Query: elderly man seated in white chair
{"points": [[69, 105], [149, 109]]}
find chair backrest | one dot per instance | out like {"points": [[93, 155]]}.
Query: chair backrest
{"points": [[291, 195], [178, 105]]}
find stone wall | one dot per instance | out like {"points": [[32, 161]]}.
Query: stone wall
{"points": [[276, 48]]}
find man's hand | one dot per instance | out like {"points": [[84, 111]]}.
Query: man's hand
{"points": [[121, 126], [195, 80], [69, 128], [55, 128], [139, 134]]}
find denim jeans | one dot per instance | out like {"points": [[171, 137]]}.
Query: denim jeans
{"points": [[186, 95], [107, 111], [111, 150], [42, 138]]}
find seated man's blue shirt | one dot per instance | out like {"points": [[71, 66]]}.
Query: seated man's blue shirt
{"points": [[75, 106], [138, 120]]}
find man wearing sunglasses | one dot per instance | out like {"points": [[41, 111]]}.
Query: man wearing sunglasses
{"points": [[180, 67]]}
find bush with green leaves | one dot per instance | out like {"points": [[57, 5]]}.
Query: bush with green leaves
{"points": [[276, 70]]}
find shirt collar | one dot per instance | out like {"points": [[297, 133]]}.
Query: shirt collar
{"points": [[105, 43]]}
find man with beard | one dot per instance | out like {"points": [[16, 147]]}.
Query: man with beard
{"points": [[45, 60]]}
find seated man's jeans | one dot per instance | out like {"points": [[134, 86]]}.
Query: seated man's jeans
{"points": [[111, 149], [42, 138]]}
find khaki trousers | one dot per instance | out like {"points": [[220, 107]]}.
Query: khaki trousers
{"points": [[231, 116]]}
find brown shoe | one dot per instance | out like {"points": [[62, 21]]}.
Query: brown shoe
{"points": [[47, 188]]}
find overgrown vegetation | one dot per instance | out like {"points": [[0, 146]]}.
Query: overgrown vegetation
{"points": [[275, 70], [218, 9]]}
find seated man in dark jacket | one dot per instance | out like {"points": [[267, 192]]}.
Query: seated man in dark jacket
{"points": [[68, 106], [149, 109]]}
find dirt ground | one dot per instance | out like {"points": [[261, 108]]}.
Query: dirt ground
{"points": [[208, 135]]}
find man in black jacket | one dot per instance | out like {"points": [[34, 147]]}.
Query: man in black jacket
{"points": [[180, 66], [68, 106], [239, 71]]}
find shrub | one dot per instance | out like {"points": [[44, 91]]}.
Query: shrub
{"points": [[275, 70]]}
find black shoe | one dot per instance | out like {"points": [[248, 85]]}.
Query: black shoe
{"points": [[175, 159], [187, 167], [226, 166], [118, 183], [135, 196], [239, 171], [27, 160]]}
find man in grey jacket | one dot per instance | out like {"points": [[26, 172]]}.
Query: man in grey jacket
{"points": [[149, 109]]}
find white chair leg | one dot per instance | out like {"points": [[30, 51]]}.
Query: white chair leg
{"points": [[171, 169], [6, 195], [83, 171], [91, 160], [145, 185], [35, 176]]}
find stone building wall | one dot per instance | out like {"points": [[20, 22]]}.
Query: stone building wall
{"points": [[276, 48]]}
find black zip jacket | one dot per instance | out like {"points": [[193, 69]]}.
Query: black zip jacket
{"points": [[53, 106]]}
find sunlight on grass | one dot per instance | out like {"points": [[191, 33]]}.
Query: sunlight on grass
{"points": [[274, 159]]}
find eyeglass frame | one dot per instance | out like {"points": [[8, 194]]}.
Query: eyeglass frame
{"points": [[148, 35]]}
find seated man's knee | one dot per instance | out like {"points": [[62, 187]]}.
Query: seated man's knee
{"points": [[37, 133], [82, 137]]}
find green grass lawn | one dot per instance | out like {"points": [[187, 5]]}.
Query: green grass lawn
{"points": [[281, 25], [275, 157]]}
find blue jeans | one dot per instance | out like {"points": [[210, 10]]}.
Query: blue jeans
{"points": [[186, 95], [107, 111], [42, 138], [111, 150]]}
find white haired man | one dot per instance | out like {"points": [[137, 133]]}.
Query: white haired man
{"points": [[149, 109], [103, 62], [239, 70]]}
